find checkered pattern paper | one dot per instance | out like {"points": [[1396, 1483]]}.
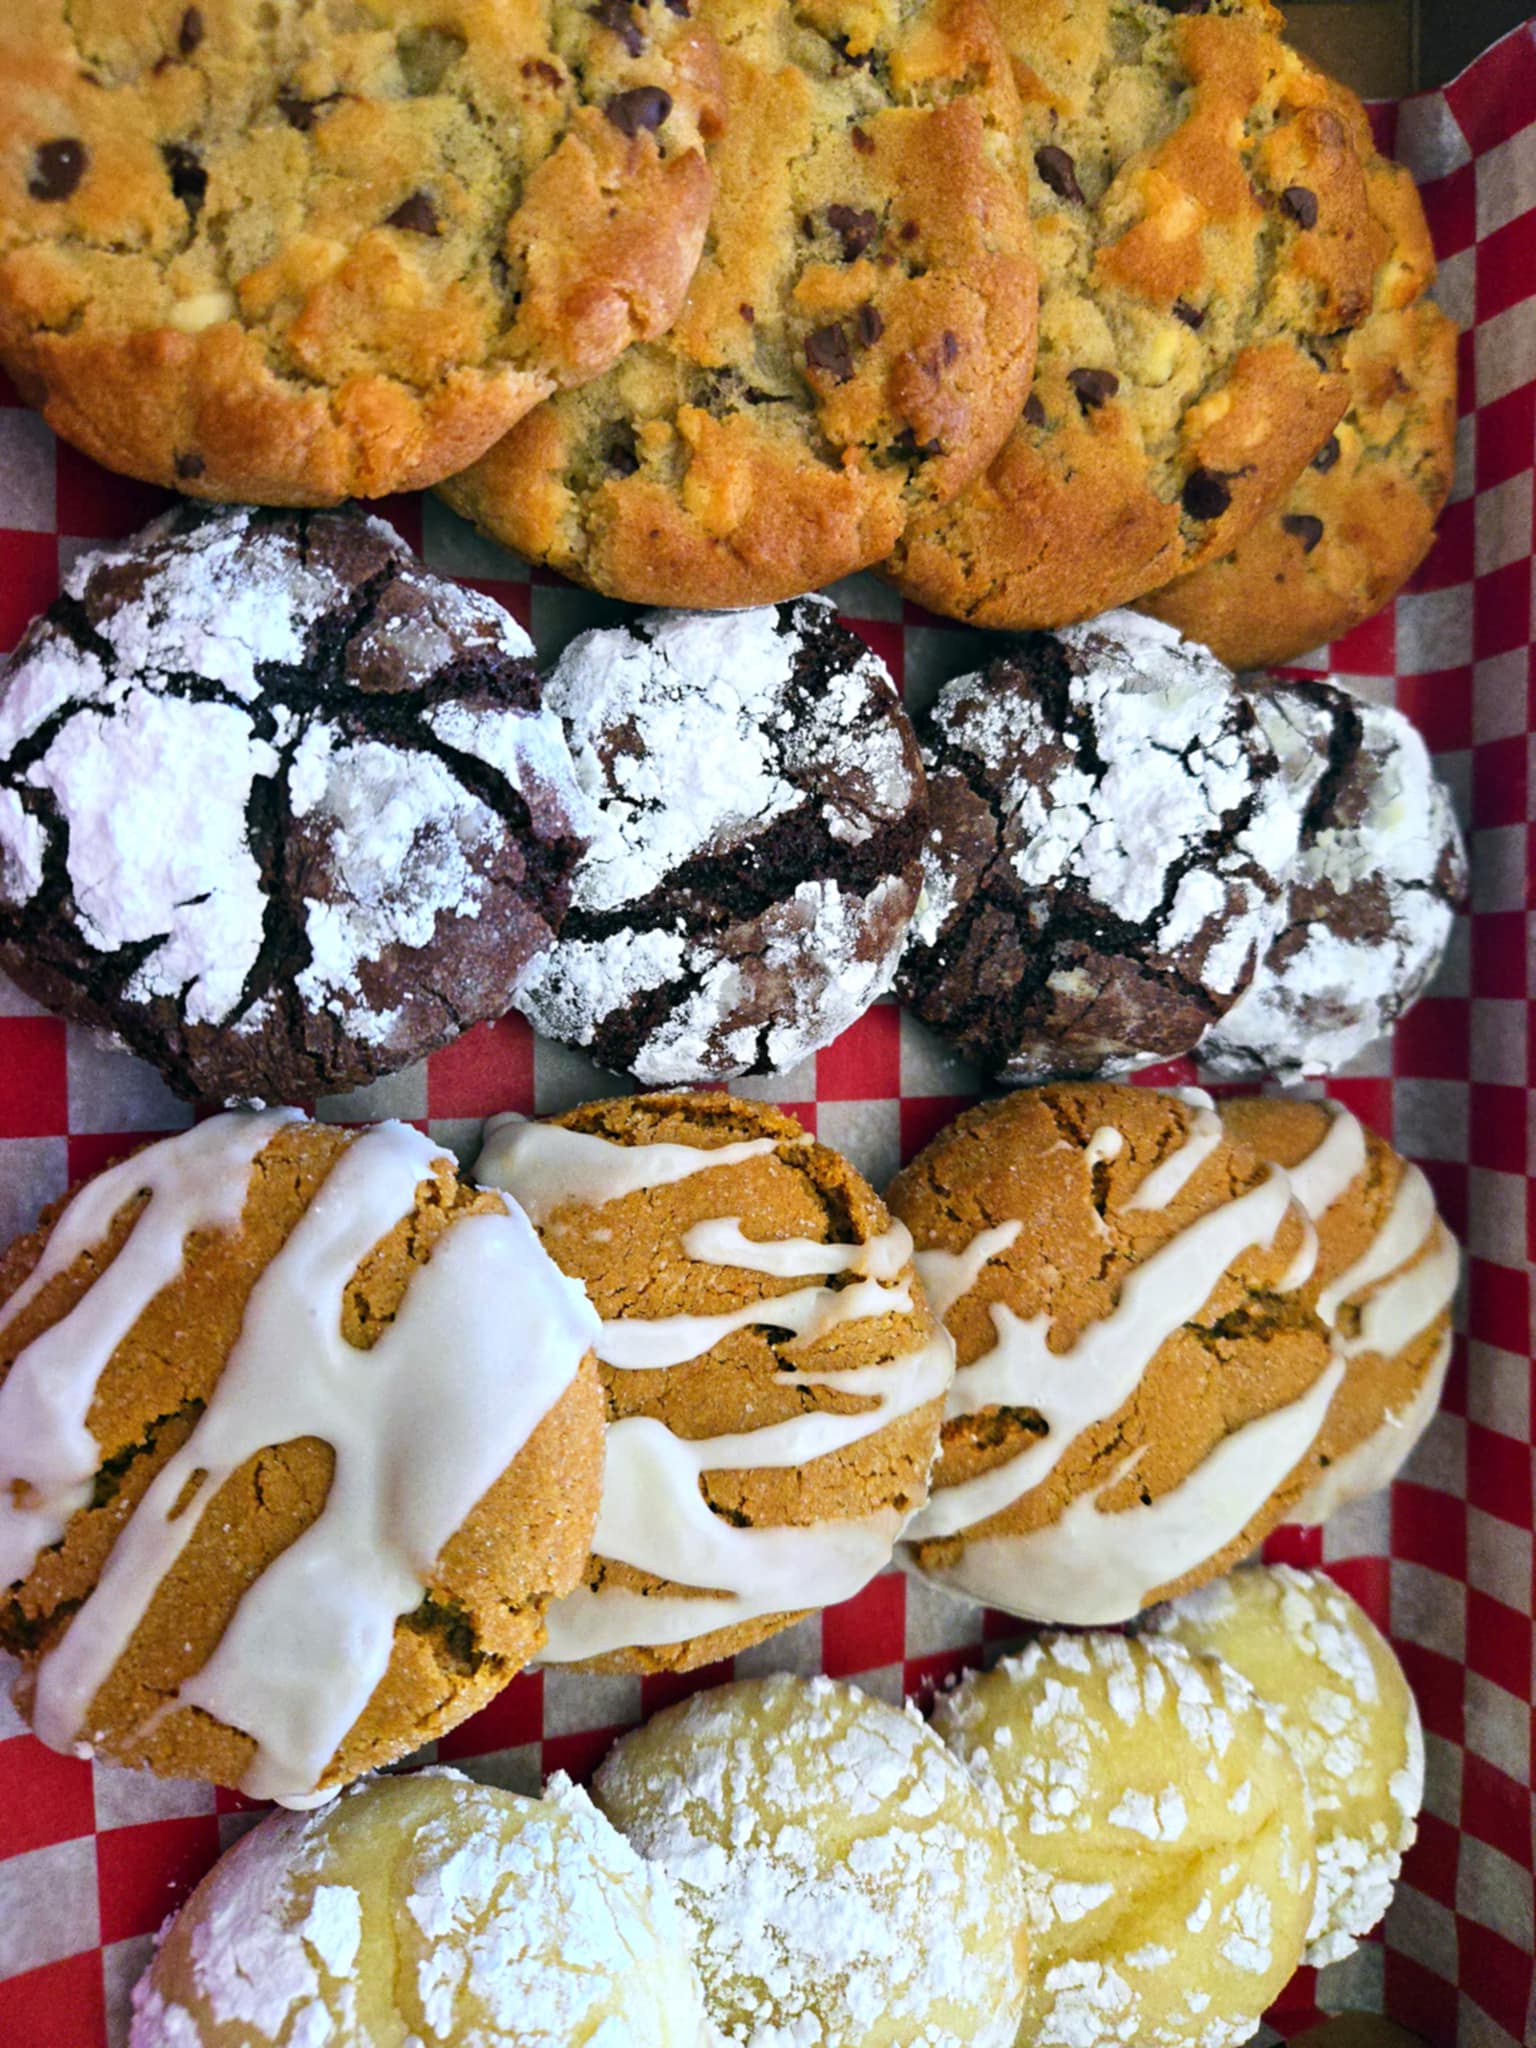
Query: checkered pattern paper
{"points": [[91, 1860]]}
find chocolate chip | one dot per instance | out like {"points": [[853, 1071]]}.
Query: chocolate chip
{"points": [[951, 346], [416, 216], [748, 313], [680, 8], [1190, 315], [862, 141], [910, 232], [643, 106], [907, 443], [1093, 387], [191, 32], [189, 466], [1185, 6], [868, 325], [1303, 527], [622, 453], [855, 228], [189, 181], [540, 67], [826, 348], [57, 168], [1327, 455], [1034, 411], [1058, 171], [1205, 494], [615, 15], [1300, 204]]}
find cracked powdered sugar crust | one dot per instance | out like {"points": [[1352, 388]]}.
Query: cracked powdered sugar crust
{"points": [[849, 1883], [755, 800], [1380, 874], [1117, 1765], [259, 769], [1109, 848], [1347, 1715], [469, 1918]]}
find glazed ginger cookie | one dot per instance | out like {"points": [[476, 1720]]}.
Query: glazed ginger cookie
{"points": [[774, 1377], [849, 1882], [278, 808], [1144, 1379], [1109, 849], [292, 253], [1163, 1831], [756, 803], [1346, 1714], [431, 1911], [1385, 1274], [299, 1438]]}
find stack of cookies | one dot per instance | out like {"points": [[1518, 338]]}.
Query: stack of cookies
{"points": [[709, 305]]}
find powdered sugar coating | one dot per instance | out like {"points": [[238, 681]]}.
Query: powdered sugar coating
{"points": [[431, 1910], [275, 805], [850, 1884], [1379, 875], [755, 795], [1160, 1915], [1345, 1711], [1108, 856]]}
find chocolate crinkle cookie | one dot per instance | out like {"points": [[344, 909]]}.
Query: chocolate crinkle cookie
{"points": [[755, 855], [1379, 877], [277, 808], [1108, 852]]}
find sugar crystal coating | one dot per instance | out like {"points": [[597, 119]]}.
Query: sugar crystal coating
{"points": [[1107, 856], [1345, 1711], [276, 806], [850, 1884], [427, 1909], [1165, 1910], [758, 802]]}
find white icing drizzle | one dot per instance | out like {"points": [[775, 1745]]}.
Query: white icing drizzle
{"points": [[196, 1181], [947, 1276], [646, 1344], [1105, 1144], [1304, 1265], [545, 1168], [1408, 1226], [1377, 1459], [720, 1241], [1331, 1167], [416, 1447], [1075, 1389], [774, 1569], [654, 1515], [1090, 1569], [1165, 1183]]}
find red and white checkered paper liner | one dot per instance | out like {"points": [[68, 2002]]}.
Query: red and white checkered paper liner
{"points": [[91, 1860]]}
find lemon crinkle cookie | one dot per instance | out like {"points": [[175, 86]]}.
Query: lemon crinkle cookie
{"points": [[851, 1885]]}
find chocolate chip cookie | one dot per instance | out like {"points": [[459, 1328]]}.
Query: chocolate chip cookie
{"points": [[1204, 245], [277, 807], [856, 343], [1110, 842], [758, 808], [294, 252], [1361, 516]]}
